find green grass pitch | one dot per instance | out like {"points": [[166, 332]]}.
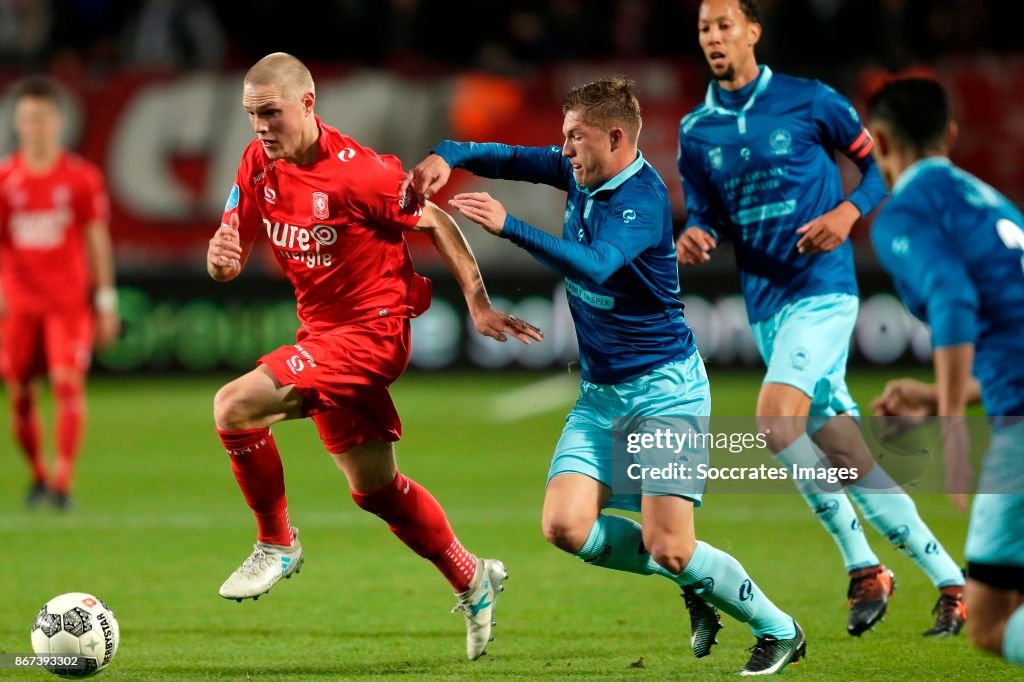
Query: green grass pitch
{"points": [[160, 523]]}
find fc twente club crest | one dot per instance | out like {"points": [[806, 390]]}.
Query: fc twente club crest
{"points": [[320, 210]]}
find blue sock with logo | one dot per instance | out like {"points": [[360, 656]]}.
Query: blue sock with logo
{"points": [[894, 514], [833, 509], [618, 543], [719, 579]]}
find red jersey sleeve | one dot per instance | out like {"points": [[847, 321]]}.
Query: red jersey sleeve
{"points": [[242, 201], [376, 195], [93, 204]]}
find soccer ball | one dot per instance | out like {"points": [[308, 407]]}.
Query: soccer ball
{"points": [[77, 632]]}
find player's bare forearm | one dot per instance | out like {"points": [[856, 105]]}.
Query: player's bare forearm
{"points": [[101, 262], [454, 250], [953, 379], [451, 244], [101, 254], [952, 387]]}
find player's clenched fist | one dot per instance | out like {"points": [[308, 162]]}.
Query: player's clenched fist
{"points": [[224, 257], [428, 177], [694, 246]]}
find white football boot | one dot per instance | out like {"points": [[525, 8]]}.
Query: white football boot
{"points": [[477, 605], [265, 566]]}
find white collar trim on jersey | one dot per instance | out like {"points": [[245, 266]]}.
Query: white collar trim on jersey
{"points": [[620, 177], [741, 115], [916, 168]]}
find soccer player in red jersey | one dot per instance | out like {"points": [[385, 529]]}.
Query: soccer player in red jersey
{"points": [[333, 214], [57, 293]]}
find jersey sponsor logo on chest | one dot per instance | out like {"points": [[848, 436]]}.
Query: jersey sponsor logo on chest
{"points": [[295, 242], [39, 229]]}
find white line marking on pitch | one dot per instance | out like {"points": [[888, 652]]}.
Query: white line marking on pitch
{"points": [[533, 399]]}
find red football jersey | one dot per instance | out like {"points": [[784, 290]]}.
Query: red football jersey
{"points": [[43, 257], [337, 229]]}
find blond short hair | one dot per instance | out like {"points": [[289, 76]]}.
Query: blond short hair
{"points": [[605, 103], [283, 70]]}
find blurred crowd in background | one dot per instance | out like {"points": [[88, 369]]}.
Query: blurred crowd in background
{"points": [[802, 36], [153, 100]]}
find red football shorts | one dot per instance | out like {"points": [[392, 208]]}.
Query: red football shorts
{"points": [[343, 377], [32, 342]]}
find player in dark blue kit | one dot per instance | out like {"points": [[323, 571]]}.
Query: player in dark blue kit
{"points": [[757, 164], [638, 358], [955, 249]]}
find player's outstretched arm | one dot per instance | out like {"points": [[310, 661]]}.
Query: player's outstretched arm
{"points": [[227, 253], [544, 165], [594, 262], [694, 246], [458, 258], [101, 263]]}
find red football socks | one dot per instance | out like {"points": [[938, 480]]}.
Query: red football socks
{"points": [[27, 430], [257, 466], [418, 520], [70, 410]]}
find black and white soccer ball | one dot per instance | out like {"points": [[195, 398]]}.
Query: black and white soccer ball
{"points": [[75, 634]]}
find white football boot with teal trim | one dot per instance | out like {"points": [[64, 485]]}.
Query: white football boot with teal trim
{"points": [[477, 605], [265, 566]]}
